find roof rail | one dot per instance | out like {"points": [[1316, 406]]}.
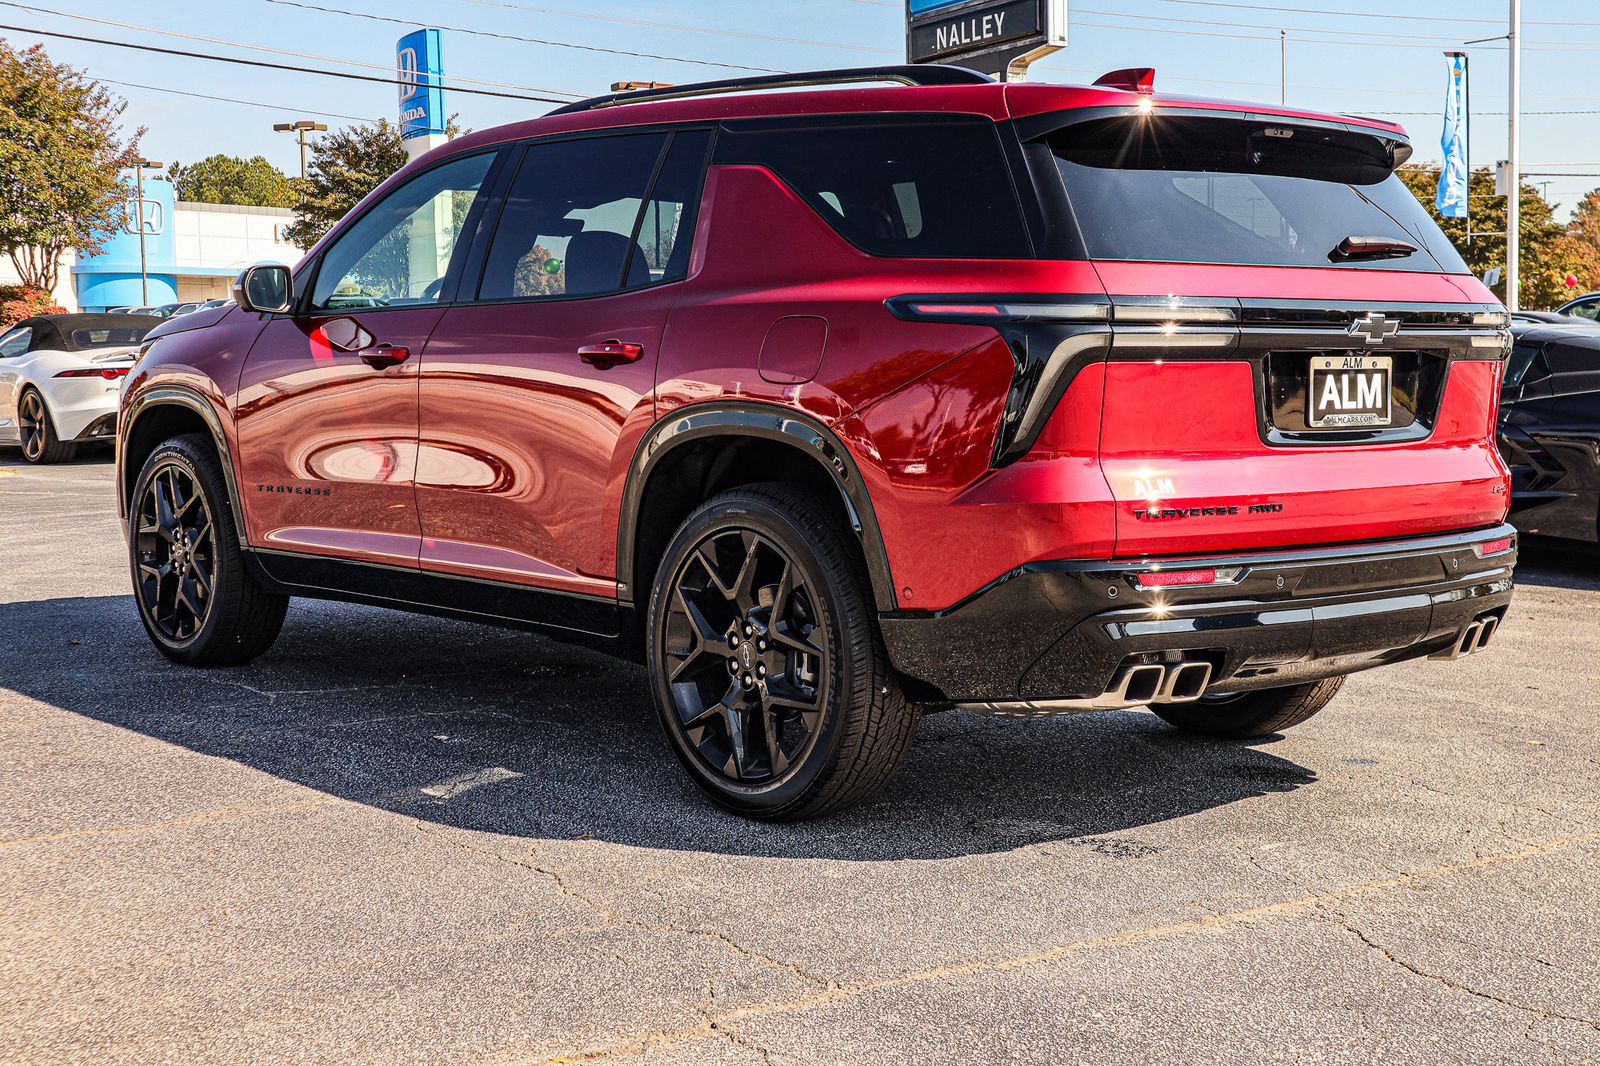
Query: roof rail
{"points": [[905, 74]]}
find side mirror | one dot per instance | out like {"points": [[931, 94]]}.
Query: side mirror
{"points": [[265, 287]]}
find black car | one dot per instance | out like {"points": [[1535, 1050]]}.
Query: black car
{"points": [[1550, 431]]}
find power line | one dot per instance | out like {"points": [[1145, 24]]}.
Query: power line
{"points": [[264, 64], [686, 28], [264, 48], [230, 100], [524, 40], [1275, 8]]}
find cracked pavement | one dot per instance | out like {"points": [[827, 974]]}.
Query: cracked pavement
{"points": [[402, 839]]}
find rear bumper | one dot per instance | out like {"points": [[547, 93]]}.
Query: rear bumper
{"points": [[1063, 630]]}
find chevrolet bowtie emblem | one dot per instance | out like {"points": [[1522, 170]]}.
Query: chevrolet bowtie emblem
{"points": [[1374, 329]]}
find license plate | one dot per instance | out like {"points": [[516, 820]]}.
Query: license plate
{"points": [[1350, 390]]}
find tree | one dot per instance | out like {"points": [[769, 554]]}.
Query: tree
{"points": [[228, 179], [1583, 232], [61, 148], [1546, 254], [343, 167]]}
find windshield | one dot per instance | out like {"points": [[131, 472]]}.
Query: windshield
{"points": [[1209, 190]]}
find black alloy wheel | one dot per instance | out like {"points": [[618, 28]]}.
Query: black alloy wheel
{"points": [[175, 553], [748, 654], [196, 594], [39, 442], [770, 676]]}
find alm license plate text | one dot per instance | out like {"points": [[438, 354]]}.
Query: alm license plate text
{"points": [[1350, 391]]}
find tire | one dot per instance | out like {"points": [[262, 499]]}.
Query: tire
{"points": [[194, 593], [800, 714], [1251, 714], [38, 431]]}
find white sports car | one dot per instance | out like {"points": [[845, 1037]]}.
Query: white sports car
{"points": [[61, 377]]}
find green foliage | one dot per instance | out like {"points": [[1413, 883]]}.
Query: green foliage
{"points": [[344, 166], [18, 302], [1546, 251], [227, 179], [61, 148]]}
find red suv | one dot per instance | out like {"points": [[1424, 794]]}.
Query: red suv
{"points": [[843, 402]]}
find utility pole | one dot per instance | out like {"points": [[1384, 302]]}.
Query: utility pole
{"points": [[302, 127], [1514, 159], [139, 167]]}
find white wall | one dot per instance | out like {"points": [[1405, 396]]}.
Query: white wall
{"points": [[64, 294], [224, 236]]}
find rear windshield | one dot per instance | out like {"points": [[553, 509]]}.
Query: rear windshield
{"points": [[1206, 190], [121, 336], [933, 190]]}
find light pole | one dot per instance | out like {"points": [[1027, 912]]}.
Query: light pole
{"points": [[301, 127], [1514, 162], [139, 167]]}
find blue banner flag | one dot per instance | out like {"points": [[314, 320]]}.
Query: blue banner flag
{"points": [[1451, 200]]}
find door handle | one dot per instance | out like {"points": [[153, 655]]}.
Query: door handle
{"points": [[608, 354], [384, 355]]}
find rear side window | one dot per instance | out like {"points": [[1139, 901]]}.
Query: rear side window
{"points": [[583, 218], [935, 190], [1207, 190]]}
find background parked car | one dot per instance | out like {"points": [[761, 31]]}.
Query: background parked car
{"points": [[60, 376], [1586, 306], [1550, 431], [1552, 318]]}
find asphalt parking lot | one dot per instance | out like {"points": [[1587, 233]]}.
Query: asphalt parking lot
{"points": [[400, 839]]}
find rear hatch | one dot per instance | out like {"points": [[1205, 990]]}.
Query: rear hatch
{"points": [[1298, 354]]}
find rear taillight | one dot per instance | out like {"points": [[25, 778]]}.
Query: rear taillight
{"points": [[1492, 547], [110, 373], [1167, 579]]}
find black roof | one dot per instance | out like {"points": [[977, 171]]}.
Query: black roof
{"points": [[55, 332]]}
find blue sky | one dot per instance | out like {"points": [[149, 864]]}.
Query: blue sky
{"points": [[1343, 56]]}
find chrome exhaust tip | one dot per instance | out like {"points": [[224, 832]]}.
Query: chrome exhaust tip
{"points": [[1487, 630], [1136, 685], [1185, 683], [1467, 642]]}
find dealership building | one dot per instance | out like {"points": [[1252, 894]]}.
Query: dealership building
{"points": [[192, 251]]}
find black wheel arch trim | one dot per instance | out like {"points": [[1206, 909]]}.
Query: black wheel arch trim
{"points": [[194, 400], [767, 422]]}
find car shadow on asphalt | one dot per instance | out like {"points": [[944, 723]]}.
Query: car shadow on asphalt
{"points": [[1563, 564], [503, 732]]}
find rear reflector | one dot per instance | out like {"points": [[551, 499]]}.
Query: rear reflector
{"points": [[1492, 547], [1166, 579], [110, 373], [956, 309]]}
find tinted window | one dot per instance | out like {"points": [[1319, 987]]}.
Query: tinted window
{"points": [[109, 338], [1176, 189], [570, 217], [1572, 358], [666, 228], [1522, 359], [15, 343], [1589, 310], [399, 252], [939, 190]]}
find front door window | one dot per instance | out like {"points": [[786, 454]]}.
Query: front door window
{"points": [[398, 254]]}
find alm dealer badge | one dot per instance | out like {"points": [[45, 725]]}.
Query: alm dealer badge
{"points": [[1350, 391]]}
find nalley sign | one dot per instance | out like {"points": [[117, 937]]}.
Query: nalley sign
{"points": [[998, 37]]}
